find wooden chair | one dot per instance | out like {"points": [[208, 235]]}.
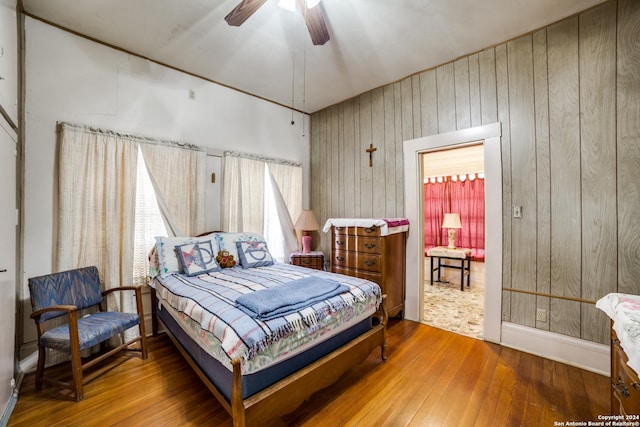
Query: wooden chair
{"points": [[64, 294]]}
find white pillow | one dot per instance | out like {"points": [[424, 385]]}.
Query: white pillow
{"points": [[227, 241], [168, 261]]}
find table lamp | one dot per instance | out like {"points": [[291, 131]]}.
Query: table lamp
{"points": [[452, 222], [306, 223]]}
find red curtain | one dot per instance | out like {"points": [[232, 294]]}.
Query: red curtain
{"points": [[465, 197]]}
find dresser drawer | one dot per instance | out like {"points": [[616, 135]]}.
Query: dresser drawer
{"points": [[369, 245], [374, 277], [344, 231], [316, 262], [357, 231], [344, 242], [368, 231], [624, 380], [368, 262], [358, 261]]}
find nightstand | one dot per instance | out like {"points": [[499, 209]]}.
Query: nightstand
{"points": [[313, 259]]}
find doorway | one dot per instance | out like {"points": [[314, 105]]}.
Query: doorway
{"points": [[490, 135], [453, 287]]}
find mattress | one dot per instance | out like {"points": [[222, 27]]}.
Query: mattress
{"points": [[191, 303], [222, 377]]}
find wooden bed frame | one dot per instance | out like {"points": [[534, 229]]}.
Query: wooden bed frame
{"points": [[287, 394]]}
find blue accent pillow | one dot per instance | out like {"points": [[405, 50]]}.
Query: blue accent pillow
{"points": [[254, 254], [197, 258]]}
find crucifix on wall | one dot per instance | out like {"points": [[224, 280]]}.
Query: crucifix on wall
{"points": [[370, 150]]}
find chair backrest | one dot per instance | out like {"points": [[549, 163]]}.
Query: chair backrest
{"points": [[79, 287]]}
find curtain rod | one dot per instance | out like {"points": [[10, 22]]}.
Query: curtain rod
{"points": [[145, 139], [262, 158]]}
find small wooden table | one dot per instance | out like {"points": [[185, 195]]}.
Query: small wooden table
{"points": [[313, 259], [461, 254]]}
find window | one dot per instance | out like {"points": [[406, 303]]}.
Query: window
{"points": [[148, 222], [262, 195]]}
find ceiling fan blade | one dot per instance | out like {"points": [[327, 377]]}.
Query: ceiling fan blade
{"points": [[243, 11], [315, 23]]}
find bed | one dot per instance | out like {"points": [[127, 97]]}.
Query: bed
{"points": [[263, 336]]}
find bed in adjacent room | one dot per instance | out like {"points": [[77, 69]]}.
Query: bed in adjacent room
{"points": [[263, 336]]}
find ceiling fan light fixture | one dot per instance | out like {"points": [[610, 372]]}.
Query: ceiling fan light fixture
{"points": [[289, 5]]}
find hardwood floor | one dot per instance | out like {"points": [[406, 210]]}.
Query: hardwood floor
{"points": [[431, 378]]}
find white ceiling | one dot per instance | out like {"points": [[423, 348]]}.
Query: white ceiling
{"points": [[373, 42]]}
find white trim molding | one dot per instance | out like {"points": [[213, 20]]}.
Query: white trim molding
{"points": [[490, 136], [583, 354]]}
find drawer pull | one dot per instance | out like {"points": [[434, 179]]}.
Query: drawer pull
{"points": [[636, 385], [339, 242], [369, 245], [339, 228], [369, 230], [621, 388], [340, 258], [369, 262]]}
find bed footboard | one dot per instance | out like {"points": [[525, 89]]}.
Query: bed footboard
{"points": [[287, 394]]}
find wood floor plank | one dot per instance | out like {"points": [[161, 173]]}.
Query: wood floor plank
{"points": [[431, 377]]}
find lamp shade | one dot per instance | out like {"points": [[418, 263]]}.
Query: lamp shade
{"points": [[451, 220], [306, 221]]}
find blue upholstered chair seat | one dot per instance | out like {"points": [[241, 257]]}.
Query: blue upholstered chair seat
{"points": [[92, 330]]}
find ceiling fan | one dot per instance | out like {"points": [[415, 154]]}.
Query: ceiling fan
{"points": [[310, 10]]}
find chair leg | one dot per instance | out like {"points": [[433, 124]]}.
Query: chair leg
{"points": [[76, 371], [143, 339], [143, 333], [42, 357], [143, 344]]}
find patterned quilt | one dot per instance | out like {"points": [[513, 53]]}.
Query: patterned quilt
{"points": [[209, 300]]}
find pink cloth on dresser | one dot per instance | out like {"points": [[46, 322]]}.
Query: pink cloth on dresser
{"points": [[395, 222]]}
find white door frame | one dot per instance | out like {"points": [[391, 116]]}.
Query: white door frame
{"points": [[8, 224], [490, 135]]}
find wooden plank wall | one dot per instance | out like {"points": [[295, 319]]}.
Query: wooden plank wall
{"points": [[568, 98]]}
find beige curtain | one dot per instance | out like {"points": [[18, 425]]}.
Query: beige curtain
{"points": [[250, 207], [243, 193], [96, 202], [278, 223], [178, 175], [289, 180]]}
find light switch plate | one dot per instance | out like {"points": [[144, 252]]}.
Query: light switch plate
{"points": [[517, 211]]}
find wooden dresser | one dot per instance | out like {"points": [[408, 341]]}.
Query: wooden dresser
{"points": [[625, 385], [363, 252]]}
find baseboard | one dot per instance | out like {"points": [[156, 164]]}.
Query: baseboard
{"points": [[4, 420], [561, 348]]}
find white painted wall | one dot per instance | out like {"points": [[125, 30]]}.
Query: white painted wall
{"points": [[9, 60], [72, 79]]}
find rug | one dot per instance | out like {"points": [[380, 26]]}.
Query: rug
{"points": [[447, 307]]}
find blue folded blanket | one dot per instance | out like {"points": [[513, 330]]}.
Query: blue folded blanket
{"points": [[289, 297]]}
